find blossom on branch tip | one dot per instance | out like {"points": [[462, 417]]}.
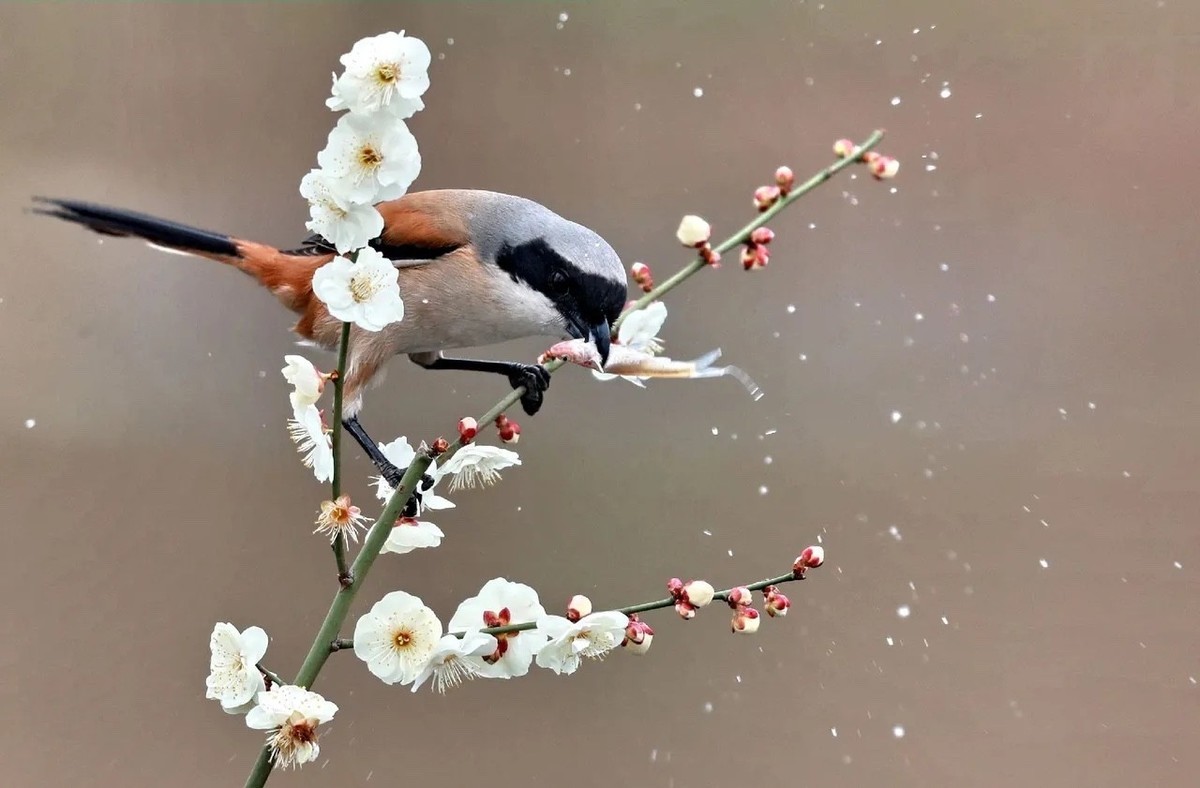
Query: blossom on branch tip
{"points": [[397, 637], [292, 715], [339, 517], [501, 603], [450, 663], [365, 292], [370, 159], [592, 636], [313, 442], [346, 224], [693, 232], [810, 558], [386, 72], [745, 621], [765, 197], [410, 534], [476, 465], [638, 635], [233, 675], [400, 453], [578, 607]]}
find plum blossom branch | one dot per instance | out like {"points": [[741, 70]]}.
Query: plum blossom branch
{"points": [[339, 383]]}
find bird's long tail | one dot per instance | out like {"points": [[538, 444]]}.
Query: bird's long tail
{"points": [[286, 274]]}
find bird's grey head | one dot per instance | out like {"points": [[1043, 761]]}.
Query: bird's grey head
{"points": [[571, 266]]}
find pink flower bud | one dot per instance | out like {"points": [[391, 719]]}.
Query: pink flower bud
{"points": [[765, 197], [510, 432], [740, 597], [501, 421], [698, 593], [762, 235], [638, 635], [844, 148], [440, 446], [746, 621], [811, 558], [640, 647], [675, 587], [711, 256], [884, 167], [578, 607], [640, 271], [467, 429], [693, 232], [754, 257], [776, 603], [685, 610], [785, 179], [870, 156]]}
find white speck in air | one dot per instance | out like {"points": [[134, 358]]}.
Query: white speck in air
{"points": [[896, 416], [697, 92], [1044, 563], [791, 309], [904, 611], [944, 267], [918, 317], [895, 101], [30, 423], [898, 731], [762, 490]]}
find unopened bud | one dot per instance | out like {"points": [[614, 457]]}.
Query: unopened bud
{"points": [[811, 558], [870, 156], [740, 597], [439, 446], [640, 647], [693, 231], [844, 148], [698, 593], [686, 610], [578, 607], [785, 179], [467, 429], [675, 587], [885, 167], [762, 235], [765, 197], [746, 621], [510, 432], [640, 271], [776, 604], [501, 421], [710, 256], [754, 257], [638, 635]]}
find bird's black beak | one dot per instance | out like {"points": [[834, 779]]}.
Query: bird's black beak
{"points": [[602, 338]]}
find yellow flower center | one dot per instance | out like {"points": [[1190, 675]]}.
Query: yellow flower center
{"points": [[363, 288], [402, 639], [387, 72], [369, 157]]}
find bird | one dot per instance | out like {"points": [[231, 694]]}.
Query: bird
{"points": [[474, 267]]}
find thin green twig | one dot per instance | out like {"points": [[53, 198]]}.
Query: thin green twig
{"points": [[339, 383]]}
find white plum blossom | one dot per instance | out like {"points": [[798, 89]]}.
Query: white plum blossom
{"points": [[500, 603], [233, 675], [410, 534], [340, 518], [307, 382], [346, 224], [370, 159], [450, 664], [311, 439], [397, 637], [400, 453], [385, 72], [475, 464], [365, 292], [592, 636], [693, 231], [639, 331], [292, 715]]}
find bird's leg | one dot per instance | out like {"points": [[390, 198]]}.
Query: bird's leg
{"points": [[533, 377], [391, 474]]}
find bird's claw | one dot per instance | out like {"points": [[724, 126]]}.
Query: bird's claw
{"points": [[392, 475], [535, 379]]}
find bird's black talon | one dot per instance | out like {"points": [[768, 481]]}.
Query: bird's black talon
{"points": [[535, 379], [390, 473]]}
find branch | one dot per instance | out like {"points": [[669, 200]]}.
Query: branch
{"points": [[339, 382]]}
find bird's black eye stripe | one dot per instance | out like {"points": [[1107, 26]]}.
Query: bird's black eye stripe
{"points": [[558, 281]]}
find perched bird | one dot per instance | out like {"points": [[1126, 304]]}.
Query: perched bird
{"points": [[475, 268]]}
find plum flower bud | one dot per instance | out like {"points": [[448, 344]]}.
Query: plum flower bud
{"points": [[693, 232], [785, 179], [740, 597], [710, 256], [762, 235], [578, 607], [884, 167], [638, 636], [777, 604], [698, 593], [811, 558], [870, 156], [765, 197], [686, 610], [510, 432], [755, 256], [439, 446], [468, 428], [844, 148], [745, 621], [642, 276]]}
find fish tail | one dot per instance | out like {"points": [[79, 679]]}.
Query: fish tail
{"points": [[705, 369]]}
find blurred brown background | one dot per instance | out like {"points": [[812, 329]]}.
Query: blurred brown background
{"points": [[1034, 506]]}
